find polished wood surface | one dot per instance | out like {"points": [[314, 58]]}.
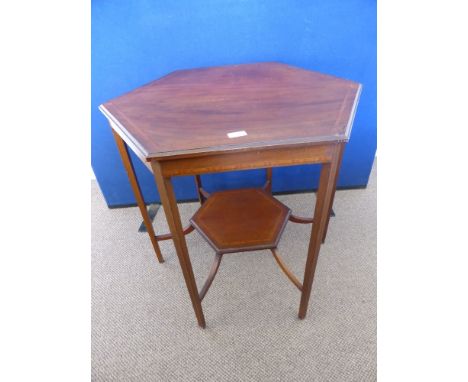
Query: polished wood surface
{"points": [[300, 219], [168, 200], [179, 125], [335, 181], [127, 162], [211, 275], [321, 211], [194, 111], [248, 159], [285, 269], [168, 236], [241, 220], [269, 180], [200, 191]]}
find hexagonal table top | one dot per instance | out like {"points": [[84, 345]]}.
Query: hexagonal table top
{"points": [[233, 107], [241, 220]]}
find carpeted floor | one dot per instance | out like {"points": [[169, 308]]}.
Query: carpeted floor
{"points": [[144, 328]]}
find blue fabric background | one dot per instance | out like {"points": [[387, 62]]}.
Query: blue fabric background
{"points": [[134, 42]]}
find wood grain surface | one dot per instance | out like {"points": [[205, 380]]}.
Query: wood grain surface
{"points": [[265, 104]]}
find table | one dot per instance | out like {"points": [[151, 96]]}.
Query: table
{"points": [[249, 116]]}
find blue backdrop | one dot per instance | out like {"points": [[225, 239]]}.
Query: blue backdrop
{"points": [[134, 42]]}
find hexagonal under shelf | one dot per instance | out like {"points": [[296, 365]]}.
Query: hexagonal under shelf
{"points": [[241, 220]]}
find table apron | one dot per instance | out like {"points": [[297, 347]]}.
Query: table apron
{"points": [[252, 159]]}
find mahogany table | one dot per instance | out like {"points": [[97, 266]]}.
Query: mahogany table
{"points": [[208, 120]]}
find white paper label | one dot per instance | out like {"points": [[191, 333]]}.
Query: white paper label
{"points": [[237, 134]]}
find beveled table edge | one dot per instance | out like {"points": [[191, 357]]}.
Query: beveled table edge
{"points": [[144, 155], [350, 124], [124, 134]]}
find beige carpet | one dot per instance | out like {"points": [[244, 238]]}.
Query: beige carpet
{"points": [[144, 328]]}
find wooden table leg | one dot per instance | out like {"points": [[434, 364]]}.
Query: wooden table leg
{"points": [[168, 200], [324, 195], [269, 179], [123, 150], [198, 184], [335, 181]]}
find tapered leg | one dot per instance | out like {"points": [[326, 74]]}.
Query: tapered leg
{"points": [[123, 150], [269, 179], [198, 184], [324, 195], [168, 200], [335, 181]]}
